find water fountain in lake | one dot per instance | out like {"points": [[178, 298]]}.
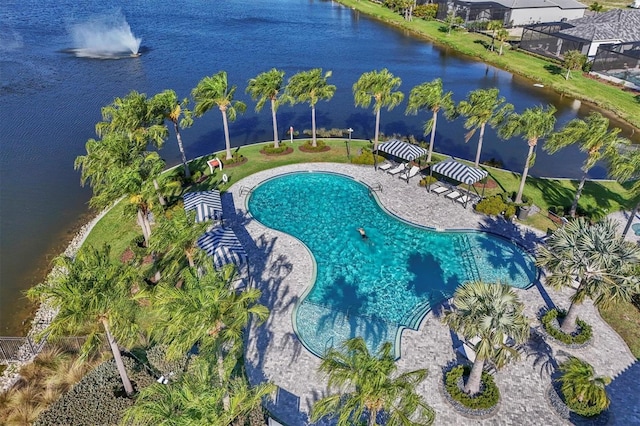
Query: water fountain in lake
{"points": [[105, 37]]}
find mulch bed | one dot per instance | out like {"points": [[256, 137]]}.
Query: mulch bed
{"points": [[304, 148], [289, 150], [489, 185], [127, 256]]}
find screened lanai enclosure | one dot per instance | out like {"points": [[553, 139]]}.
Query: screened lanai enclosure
{"points": [[473, 12], [620, 62], [547, 40]]}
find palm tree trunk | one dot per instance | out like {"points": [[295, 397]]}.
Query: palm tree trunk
{"points": [[433, 135], [472, 386], [630, 221], [525, 172], [225, 125], [190, 258], [226, 400], [566, 77], [145, 231], [372, 418], [163, 202], [480, 144], [493, 40], [501, 44], [568, 325], [276, 142], [574, 206], [187, 172], [118, 358], [377, 135], [313, 126]]}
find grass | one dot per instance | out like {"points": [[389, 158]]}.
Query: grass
{"points": [[624, 318], [624, 104]]}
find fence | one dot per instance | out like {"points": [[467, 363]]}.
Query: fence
{"points": [[20, 349]]}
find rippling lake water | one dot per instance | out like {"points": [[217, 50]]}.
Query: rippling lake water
{"points": [[51, 99]]}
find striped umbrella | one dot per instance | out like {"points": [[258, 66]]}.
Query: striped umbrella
{"points": [[402, 150], [223, 246], [459, 171], [207, 204]]}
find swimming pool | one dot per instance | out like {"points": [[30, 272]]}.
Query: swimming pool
{"points": [[377, 286]]}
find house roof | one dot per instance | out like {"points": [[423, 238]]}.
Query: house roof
{"points": [[617, 24], [533, 4]]}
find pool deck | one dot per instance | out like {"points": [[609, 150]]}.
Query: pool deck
{"points": [[283, 269]]}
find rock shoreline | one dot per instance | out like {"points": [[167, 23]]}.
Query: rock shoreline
{"points": [[45, 313]]}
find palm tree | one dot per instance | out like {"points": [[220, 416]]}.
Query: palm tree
{"points": [[594, 258], [268, 85], [579, 384], [93, 292], [502, 35], [626, 167], [431, 96], [175, 238], [215, 91], [493, 313], [166, 105], [310, 87], [369, 385], [195, 399], [493, 26], [573, 60], [595, 7], [379, 86], [593, 137], [533, 124], [482, 107], [209, 312]]}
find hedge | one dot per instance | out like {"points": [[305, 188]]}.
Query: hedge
{"points": [[487, 398], [585, 330]]}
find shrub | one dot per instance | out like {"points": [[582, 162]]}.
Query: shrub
{"points": [[428, 180], [97, 399], [137, 246], [324, 133], [321, 146], [584, 393], [557, 210], [236, 158], [493, 162], [271, 149], [488, 396], [509, 211], [582, 336], [426, 11], [493, 205]]}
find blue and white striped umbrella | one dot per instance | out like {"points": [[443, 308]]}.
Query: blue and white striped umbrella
{"points": [[459, 171], [207, 204], [404, 150], [223, 246]]}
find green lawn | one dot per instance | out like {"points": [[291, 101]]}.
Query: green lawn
{"points": [[624, 104]]}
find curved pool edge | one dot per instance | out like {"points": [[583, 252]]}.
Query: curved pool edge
{"points": [[374, 194]]}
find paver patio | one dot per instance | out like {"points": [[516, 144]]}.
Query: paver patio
{"points": [[283, 269]]}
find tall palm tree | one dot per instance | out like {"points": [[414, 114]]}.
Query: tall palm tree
{"points": [[493, 313], [209, 312], [493, 26], [167, 106], [310, 87], [482, 107], [380, 87], [533, 124], [579, 384], [431, 96], [268, 85], [94, 292], [195, 399], [369, 385], [175, 239], [215, 91], [592, 137], [626, 167], [502, 35], [594, 258]]}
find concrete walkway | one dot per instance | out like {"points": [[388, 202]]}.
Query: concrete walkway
{"points": [[283, 269]]}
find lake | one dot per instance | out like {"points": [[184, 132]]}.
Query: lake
{"points": [[51, 99]]}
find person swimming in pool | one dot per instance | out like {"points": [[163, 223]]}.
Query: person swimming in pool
{"points": [[363, 234]]}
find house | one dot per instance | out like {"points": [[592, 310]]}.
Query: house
{"points": [[513, 13]]}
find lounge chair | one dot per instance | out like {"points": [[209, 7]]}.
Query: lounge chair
{"points": [[397, 169], [385, 166], [408, 174], [463, 200], [439, 189], [467, 351], [453, 195]]}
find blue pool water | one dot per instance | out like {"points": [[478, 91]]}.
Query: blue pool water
{"points": [[377, 286]]}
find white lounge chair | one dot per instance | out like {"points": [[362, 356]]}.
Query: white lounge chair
{"points": [[439, 189], [453, 195], [410, 173], [463, 200], [467, 351], [397, 170], [385, 166]]}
